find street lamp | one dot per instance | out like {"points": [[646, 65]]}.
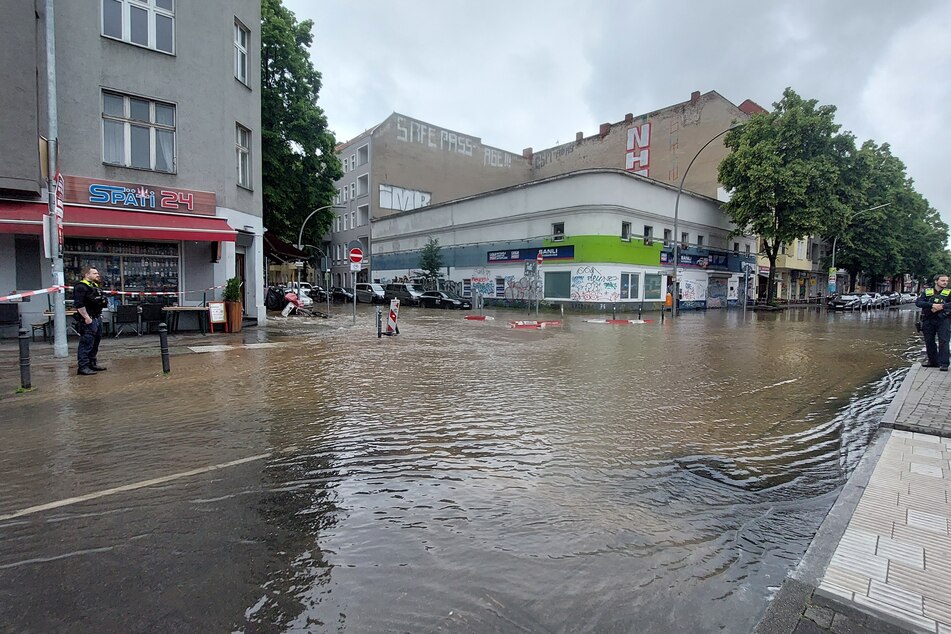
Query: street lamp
{"points": [[834, 271], [676, 237], [323, 257], [300, 244]]}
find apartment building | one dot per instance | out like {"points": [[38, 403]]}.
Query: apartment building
{"points": [[159, 127]]}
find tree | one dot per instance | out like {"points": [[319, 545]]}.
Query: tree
{"points": [[784, 171], [299, 162], [430, 260]]}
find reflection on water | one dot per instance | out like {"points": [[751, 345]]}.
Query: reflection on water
{"points": [[468, 477], [460, 477]]}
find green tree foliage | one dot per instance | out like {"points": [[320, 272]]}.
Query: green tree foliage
{"points": [[784, 173], [904, 235], [430, 260], [299, 162]]}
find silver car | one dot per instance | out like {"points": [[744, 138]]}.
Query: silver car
{"points": [[370, 293]]}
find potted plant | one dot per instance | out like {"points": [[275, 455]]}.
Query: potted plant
{"points": [[232, 299]]}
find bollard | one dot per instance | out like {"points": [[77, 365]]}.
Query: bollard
{"points": [[163, 343], [379, 323], [25, 382], [614, 311]]}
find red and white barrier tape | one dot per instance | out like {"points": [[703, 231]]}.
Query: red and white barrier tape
{"points": [[56, 289]]}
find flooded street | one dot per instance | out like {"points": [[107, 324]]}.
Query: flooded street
{"points": [[461, 477]]}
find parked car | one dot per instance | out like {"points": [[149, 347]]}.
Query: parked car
{"points": [[877, 300], [908, 298], [894, 298], [406, 293], [444, 299], [846, 302], [371, 293], [341, 294]]}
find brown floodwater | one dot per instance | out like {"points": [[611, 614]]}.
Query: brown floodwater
{"points": [[463, 476]]}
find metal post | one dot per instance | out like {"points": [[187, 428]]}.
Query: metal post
{"points": [[60, 346], [379, 323], [25, 381], [163, 343], [354, 274]]}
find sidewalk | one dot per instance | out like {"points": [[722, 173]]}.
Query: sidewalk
{"points": [[881, 561]]}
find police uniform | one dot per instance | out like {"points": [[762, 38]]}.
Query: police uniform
{"points": [[935, 325], [88, 295]]}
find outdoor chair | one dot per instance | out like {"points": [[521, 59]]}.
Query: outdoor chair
{"points": [[127, 316], [151, 314]]}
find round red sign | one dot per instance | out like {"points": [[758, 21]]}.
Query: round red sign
{"points": [[538, 258], [356, 255]]}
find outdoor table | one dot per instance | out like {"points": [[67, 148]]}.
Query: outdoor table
{"points": [[174, 312], [70, 312]]}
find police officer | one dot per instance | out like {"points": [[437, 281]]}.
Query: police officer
{"points": [[936, 322], [89, 300]]}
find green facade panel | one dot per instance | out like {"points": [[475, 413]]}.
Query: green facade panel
{"points": [[611, 249]]}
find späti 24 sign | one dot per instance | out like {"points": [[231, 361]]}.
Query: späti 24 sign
{"points": [[564, 252], [138, 197]]}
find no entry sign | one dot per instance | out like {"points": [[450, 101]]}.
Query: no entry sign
{"points": [[539, 258], [356, 255]]}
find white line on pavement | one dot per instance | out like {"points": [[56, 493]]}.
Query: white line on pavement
{"points": [[130, 487]]}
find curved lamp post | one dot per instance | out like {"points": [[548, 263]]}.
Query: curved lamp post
{"points": [[834, 271], [326, 257], [300, 243], [676, 288]]}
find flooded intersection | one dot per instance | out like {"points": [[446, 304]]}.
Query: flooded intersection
{"points": [[461, 477]]}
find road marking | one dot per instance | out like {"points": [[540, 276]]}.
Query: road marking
{"points": [[130, 487]]}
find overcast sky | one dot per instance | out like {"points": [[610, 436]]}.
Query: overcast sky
{"points": [[531, 73]]}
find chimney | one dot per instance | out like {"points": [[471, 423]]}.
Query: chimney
{"points": [[527, 153], [579, 136], [629, 117], [694, 96], [605, 129]]}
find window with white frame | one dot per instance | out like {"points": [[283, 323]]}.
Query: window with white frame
{"points": [[801, 249], [557, 231], [138, 132], [345, 190], [363, 185], [684, 239], [353, 161], [353, 191], [648, 235], [667, 237], [363, 155], [625, 231], [346, 164], [630, 285], [353, 220], [148, 23], [242, 38], [242, 149]]}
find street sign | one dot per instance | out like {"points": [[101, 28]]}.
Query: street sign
{"points": [[539, 258], [356, 255], [356, 267]]}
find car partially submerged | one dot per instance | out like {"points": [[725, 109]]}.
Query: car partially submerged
{"points": [[847, 302], [444, 299]]}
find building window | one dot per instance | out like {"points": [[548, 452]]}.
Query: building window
{"points": [[684, 239], [736, 247], [363, 185], [667, 237], [363, 155], [353, 220], [242, 36], [346, 162], [626, 231], [242, 148], [699, 240], [344, 191], [652, 286], [558, 231], [353, 191], [148, 23], [801, 249], [648, 235], [363, 215], [747, 248], [337, 224], [353, 161], [630, 283], [138, 132], [558, 285], [782, 249]]}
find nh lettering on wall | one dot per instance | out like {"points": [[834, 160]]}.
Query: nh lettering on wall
{"points": [[638, 155]]}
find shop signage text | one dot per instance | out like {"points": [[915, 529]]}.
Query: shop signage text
{"points": [[566, 252], [718, 260], [138, 197]]}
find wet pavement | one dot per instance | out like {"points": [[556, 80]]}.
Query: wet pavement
{"points": [[463, 476]]}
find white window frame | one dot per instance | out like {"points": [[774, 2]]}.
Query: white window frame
{"points": [[648, 235], [363, 185], [243, 156], [556, 234], [153, 10], [242, 63], [625, 231], [353, 219], [353, 191], [631, 276], [363, 152], [127, 125]]}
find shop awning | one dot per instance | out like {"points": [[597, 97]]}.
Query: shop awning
{"points": [[92, 222]]}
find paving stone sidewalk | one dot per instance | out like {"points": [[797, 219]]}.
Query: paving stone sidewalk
{"points": [[881, 562]]}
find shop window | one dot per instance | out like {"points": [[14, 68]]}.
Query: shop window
{"points": [[149, 267], [630, 283], [557, 285], [363, 185], [242, 36], [138, 132], [148, 23], [243, 155], [626, 231], [557, 231], [652, 286]]}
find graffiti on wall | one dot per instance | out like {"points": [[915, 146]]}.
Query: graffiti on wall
{"points": [[410, 131], [693, 291], [544, 158], [716, 293], [638, 155], [588, 284], [523, 288], [482, 282], [392, 197], [496, 158]]}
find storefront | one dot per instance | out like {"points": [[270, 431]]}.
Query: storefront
{"points": [[142, 238]]}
